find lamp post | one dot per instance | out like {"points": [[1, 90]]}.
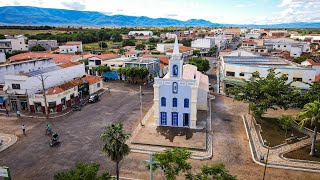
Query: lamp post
{"points": [[141, 107], [265, 167]]}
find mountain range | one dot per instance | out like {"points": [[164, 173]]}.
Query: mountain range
{"points": [[26, 15]]}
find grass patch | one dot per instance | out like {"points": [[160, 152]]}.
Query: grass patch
{"points": [[303, 153], [30, 32], [273, 133]]}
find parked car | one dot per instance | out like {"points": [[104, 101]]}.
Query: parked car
{"points": [[93, 98]]}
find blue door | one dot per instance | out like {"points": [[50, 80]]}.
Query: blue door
{"points": [[163, 118], [174, 119]]}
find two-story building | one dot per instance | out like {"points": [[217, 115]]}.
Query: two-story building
{"points": [[47, 44], [14, 44]]}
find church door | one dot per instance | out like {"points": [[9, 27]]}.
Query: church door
{"points": [[185, 119], [174, 119]]}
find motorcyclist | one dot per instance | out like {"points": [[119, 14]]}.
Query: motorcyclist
{"points": [[48, 129], [55, 137]]}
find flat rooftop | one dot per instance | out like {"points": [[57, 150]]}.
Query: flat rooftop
{"points": [[261, 61]]}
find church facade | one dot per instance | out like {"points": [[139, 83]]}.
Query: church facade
{"points": [[180, 94]]}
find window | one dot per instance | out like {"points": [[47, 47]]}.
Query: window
{"points": [[98, 62], [297, 79], [163, 118], [163, 102], [241, 74], [98, 85], [15, 86], [175, 70], [174, 118], [175, 87], [229, 73], [186, 103], [278, 46], [284, 46], [174, 102]]}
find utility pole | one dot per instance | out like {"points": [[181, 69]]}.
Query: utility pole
{"points": [[141, 107], [42, 79], [265, 167]]}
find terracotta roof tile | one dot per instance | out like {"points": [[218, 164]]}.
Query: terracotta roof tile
{"points": [[74, 43], [65, 86], [130, 52], [66, 65], [92, 79], [164, 60], [58, 58]]}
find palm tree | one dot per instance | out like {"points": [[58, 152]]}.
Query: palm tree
{"points": [[311, 114], [114, 144]]}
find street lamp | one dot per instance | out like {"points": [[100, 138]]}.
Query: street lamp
{"points": [[265, 167]]}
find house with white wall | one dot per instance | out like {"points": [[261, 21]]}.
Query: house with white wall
{"points": [[296, 48], [20, 86], [78, 44], [138, 33], [15, 44]]}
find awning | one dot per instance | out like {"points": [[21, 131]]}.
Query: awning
{"points": [[1, 100]]}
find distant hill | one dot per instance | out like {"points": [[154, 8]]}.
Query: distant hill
{"points": [[25, 15]]}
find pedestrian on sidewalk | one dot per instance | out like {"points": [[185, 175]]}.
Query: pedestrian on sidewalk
{"points": [[24, 129], [7, 112], [18, 114]]}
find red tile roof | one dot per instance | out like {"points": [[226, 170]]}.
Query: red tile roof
{"points": [[164, 60], [58, 58], [181, 49], [249, 42], [92, 79], [74, 43], [107, 56], [69, 64], [313, 63], [317, 78], [130, 52]]}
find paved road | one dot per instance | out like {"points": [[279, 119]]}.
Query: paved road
{"points": [[32, 158]]}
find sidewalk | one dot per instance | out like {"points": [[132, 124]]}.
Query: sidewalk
{"points": [[8, 140], [276, 159], [196, 154]]}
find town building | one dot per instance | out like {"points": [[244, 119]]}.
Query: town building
{"points": [[47, 44], [296, 48], [131, 54], [252, 36], [58, 58], [184, 51], [203, 45], [180, 94], [78, 44], [139, 33], [278, 33], [72, 47], [164, 47], [2, 57], [20, 86], [238, 65], [151, 64], [9, 45]]}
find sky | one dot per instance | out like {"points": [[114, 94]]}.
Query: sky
{"points": [[216, 11]]}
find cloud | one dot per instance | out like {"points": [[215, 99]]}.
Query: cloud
{"points": [[107, 13], [245, 5], [119, 10], [74, 5], [16, 3]]}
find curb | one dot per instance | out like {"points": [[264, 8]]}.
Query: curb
{"points": [[53, 117], [13, 139], [273, 165]]}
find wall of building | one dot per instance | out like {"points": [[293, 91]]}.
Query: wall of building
{"points": [[47, 44], [23, 67], [95, 87], [68, 49], [202, 43], [33, 84]]}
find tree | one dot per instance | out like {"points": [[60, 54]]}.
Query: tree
{"points": [[102, 44], [83, 171], [85, 61], [151, 47], [186, 42], [172, 162], [140, 47], [263, 93], [196, 52], [102, 69], [122, 51], [114, 144], [38, 48], [311, 114], [286, 123], [153, 40], [313, 94], [300, 59], [212, 51], [203, 65], [214, 171], [133, 72], [116, 37], [128, 42], [2, 36], [239, 45]]}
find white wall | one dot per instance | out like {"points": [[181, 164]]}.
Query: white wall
{"points": [[68, 49], [202, 43], [23, 67], [33, 84], [2, 57]]}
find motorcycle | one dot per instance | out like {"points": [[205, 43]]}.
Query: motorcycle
{"points": [[54, 140], [76, 108]]}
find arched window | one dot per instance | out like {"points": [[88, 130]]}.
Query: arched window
{"points": [[163, 102], [175, 70], [175, 88], [174, 102], [186, 103]]}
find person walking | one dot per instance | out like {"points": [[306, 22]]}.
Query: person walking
{"points": [[18, 114], [7, 112], [24, 129]]}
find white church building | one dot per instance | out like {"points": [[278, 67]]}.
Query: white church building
{"points": [[180, 94]]}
